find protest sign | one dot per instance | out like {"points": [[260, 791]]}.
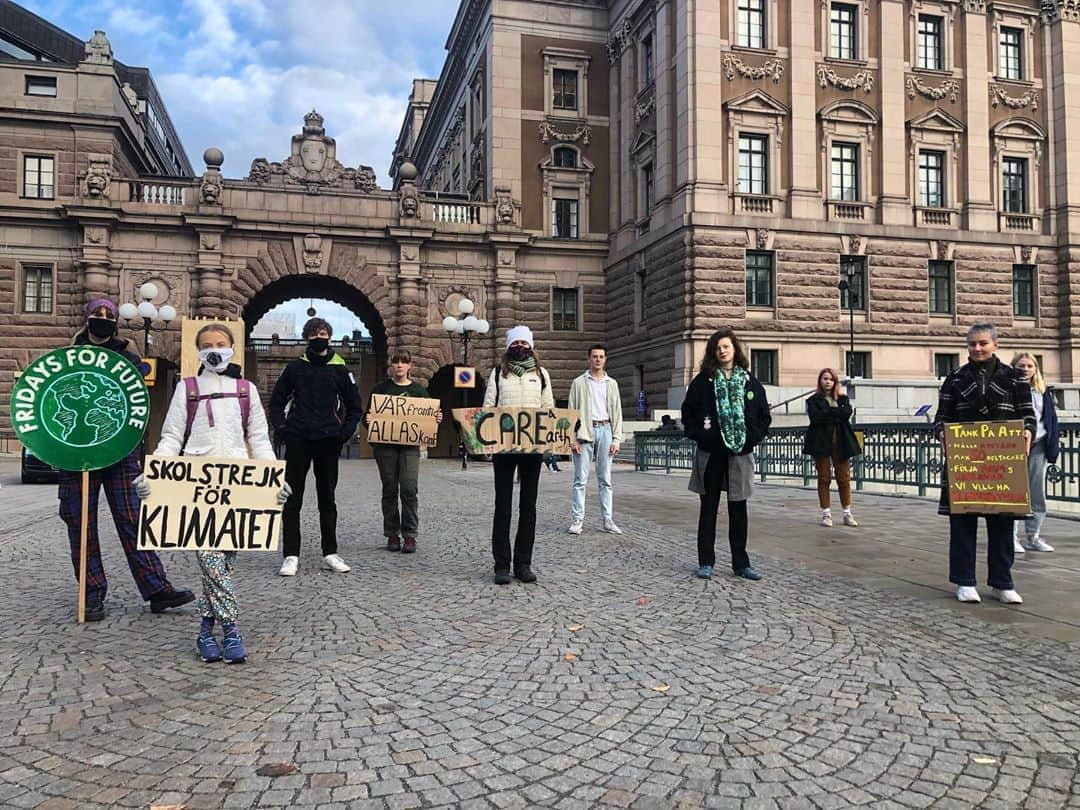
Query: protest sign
{"points": [[200, 503], [517, 430], [986, 466], [403, 420]]}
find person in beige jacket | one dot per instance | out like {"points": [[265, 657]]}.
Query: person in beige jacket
{"points": [[519, 381], [595, 396]]}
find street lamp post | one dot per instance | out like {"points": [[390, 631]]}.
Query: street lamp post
{"points": [[465, 329], [146, 310], [848, 285]]}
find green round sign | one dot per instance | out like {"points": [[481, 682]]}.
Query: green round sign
{"points": [[80, 407]]}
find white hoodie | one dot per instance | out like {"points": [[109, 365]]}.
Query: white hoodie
{"points": [[226, 438]]}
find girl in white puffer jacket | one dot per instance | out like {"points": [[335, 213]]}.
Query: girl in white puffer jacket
{"points": [[217, 429]]}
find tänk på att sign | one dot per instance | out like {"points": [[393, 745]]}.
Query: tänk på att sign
{"points": [[987, 468], [211, 504]]}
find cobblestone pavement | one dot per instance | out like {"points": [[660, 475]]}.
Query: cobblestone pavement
{"points": [[618, 680]]}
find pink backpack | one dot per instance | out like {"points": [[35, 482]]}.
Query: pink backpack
{"points": [[191, 387]]}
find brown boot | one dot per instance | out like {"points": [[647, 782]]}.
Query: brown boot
{"points": [[393, 544], [410, 545]]}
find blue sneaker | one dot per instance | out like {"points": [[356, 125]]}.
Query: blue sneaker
{"points": [[234, 645], [705, 572], [749, 573], [207, 645]]}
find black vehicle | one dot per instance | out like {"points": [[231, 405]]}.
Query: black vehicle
{"points": [[36, 471]]}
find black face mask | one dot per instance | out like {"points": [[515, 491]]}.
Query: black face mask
{"points": [[101, 327], [318, 345], [519, 353]]}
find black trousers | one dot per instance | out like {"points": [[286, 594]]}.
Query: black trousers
{"points": [[963, 530], [528, 468], [300, 455], [738, 518]]}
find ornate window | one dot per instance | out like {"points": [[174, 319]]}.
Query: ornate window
{"points": [[1011, 53], [755, 137], [566, 83], [1014, 43], [565, 157], [934, 167], [647, 66], [1014, 184], [844, 178], [929, 43], [931, 179], [847, 142], [1018, 145], [753, 24], [759, 278], [566, 182], [37, 288], [564, 217], [844, 31], [753, 164], [931, 33]]}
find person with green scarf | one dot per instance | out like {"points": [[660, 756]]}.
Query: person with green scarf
{"points": [[519, 381], [727, 414]]}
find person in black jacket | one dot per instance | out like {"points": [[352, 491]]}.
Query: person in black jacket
{"points": [[832, 443], [982, 390], [727, 414], [325, 411]]}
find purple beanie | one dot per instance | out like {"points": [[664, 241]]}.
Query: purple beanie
{"points": [[97, 304]]}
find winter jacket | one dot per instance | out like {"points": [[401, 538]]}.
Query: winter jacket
{"points": [[114, 344], [512, 391], [1005, 396], [827, 421], [1053, 432], [226, 438], [581, 401], [700, 402], [325, 402]]}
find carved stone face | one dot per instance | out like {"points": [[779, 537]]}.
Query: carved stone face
{"points": [[313, 154]]}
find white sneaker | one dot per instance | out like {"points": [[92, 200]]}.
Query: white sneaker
{"points": [[333, 562], [611, 528], [1009, 597], [289, 566], [575, 527], [1018, 547], [1038, 544], [968, 593]]}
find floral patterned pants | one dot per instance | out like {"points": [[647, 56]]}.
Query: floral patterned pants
{"points": [[218, 600]]}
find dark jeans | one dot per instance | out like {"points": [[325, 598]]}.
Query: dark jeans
{"points": [[738, 518], [399, 469], [528, 468], [300, 454], [963, 530]]}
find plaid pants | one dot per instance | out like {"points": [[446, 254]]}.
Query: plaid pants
{"points": [[117, 480]]}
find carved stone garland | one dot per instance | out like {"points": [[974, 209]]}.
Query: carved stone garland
{"points": [[999, 96], [949, 88], [864, 79], [771, 68], [548, 133]]}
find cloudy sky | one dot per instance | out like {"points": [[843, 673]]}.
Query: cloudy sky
{"points": [[241, 74]]}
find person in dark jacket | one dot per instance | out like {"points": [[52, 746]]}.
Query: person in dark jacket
{"points": [[118, 481], [1045, 447], [325, 410], [832, 443], [726, 413], [982, 390]]}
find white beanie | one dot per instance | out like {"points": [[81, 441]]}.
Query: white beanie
{"points": [[519, 333]]}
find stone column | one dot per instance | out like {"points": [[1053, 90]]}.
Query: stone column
{"points": [[96, 281], [805, 195], [891, 154], [979, 210]]}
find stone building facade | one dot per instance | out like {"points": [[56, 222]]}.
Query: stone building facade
{"points": [[734, 161]]}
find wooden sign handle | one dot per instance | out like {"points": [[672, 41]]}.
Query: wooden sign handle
{"points": [[81, 613]]}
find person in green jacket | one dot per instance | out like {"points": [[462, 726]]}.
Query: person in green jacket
{"points": [[399, 464]]}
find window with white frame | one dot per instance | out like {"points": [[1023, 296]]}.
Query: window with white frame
{"points": [[759, 278], [931, 179], [564, 89], [1014, 185], [751, 24], [39, 175], [844, 31], [37, 288], [844, 161], [940, 275], [753, 164], [1011, 53], [1023, 284], [566, 83], [565, 157], [564, 218], [929, 43], [564, 309]]}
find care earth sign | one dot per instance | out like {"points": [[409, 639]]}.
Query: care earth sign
{"points": [[80, 407]]}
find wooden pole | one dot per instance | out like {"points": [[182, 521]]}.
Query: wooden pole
{"points": [[82, 545]]}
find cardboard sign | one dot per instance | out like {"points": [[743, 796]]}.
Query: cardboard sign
{"points": [[517, 430], [403, 420], [201, 503], [189, 355], [987, 468]]}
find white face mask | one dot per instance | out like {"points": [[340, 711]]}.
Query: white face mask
{"points": [[216, 359]]}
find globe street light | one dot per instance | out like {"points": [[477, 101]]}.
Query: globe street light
{"points": [[465, 328], [146, 310]]}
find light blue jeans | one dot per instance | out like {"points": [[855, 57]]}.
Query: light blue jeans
{"points": [[600, 448], [1036, 464]]}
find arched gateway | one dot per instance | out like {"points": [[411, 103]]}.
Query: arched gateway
{"points": [[310, 227]]}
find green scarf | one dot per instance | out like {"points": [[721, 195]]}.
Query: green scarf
{"points": [[521, 367], [730, 393]]}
